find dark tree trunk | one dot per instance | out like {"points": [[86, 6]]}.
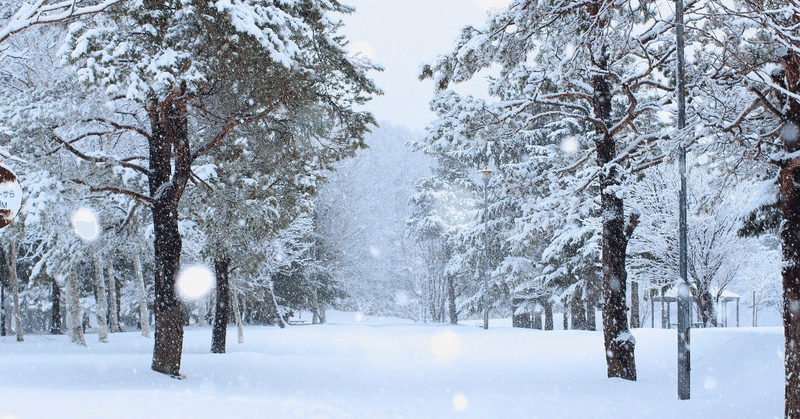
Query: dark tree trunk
{"points": [[705, 307], [3, 329], [537, 320], [591, 306], [565, 320], [55, 311], [619, 343], [113, 298], [635, 321], [168, 140], [219, 335], [548, 315], [314, 307], [451, 299], [578, 309], [789, 179]]}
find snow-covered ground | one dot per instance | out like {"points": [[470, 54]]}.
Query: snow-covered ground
{"points": [[365, 367]]}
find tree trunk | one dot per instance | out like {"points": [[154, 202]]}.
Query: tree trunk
{"points": [[619, 343], [565, 320], [168, 140], [113, 298], [11, 264], [705, 307], [578, 310], [635, 321], [237, 315], [548, 315], [790, 235], [3, 329], [144, 313], [273, 302], [219, 333], [102, 302], [451, 299], [74, 318], [55, 309], [537, 320], [315, 307], [591, 307]]}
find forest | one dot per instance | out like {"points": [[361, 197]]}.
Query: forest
{"points": [[234, 139]]}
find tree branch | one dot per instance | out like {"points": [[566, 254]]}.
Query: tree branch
{"points": [[113, 189], [91, 159], [42, 13]]}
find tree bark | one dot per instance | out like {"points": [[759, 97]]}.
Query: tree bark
{"points": [[591, 307], [548, 315], [323, 318], [619, 343], [705, 307], [451, 299], [3, 329], [102, 302], [635, 321], [237, 315], [536, 318], [11, 264], [318, 308], [113, 298], [168, 141], [55, 309], [74, 318], [144, 313], [274, 303], [578, 310], [219, 333], [790, 235]]}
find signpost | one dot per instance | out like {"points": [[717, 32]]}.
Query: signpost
{"points": [[10, 196]]}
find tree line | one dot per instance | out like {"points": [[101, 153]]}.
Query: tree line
{"points": [[579, 129], [175, 120]]}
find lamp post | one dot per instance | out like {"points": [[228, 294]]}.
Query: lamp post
{"points": [[486, 174], [684, 302]]}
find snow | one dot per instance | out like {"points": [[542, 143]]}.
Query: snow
{"points": [[393, 368]]}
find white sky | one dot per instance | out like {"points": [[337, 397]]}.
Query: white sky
{"points": [[401, 35]]}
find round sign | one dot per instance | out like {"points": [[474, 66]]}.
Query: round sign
{"points": [[10, 196]]}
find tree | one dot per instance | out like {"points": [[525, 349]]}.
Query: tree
{"points": [[592, 70], [285, 59], [713, 226], [747, 90]]}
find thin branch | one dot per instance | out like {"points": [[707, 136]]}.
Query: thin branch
{"points": [[113, 189], [88, 158], [119, 126], [228, 128], [42, 13], [130, 216]]}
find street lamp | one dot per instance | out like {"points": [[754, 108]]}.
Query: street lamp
{"points": [[486, 174], [684, 302]]}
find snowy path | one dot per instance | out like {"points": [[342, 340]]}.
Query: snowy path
{"points": [[392, 371]]}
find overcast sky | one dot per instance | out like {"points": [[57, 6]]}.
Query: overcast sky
{"points": [[400, 35]]}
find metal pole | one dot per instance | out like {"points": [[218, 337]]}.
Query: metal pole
{"points": [[485, 252], [684, 320]]}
